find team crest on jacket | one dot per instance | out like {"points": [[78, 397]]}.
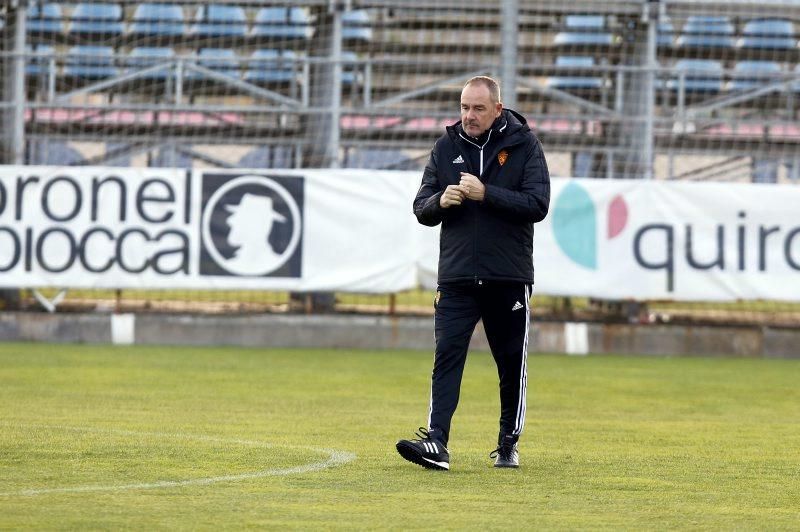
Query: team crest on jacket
{"points": [[502, 156]]}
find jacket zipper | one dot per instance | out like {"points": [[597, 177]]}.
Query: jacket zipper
{"points": [[475, 217]]}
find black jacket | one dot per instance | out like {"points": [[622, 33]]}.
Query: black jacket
{"points": [[492, 239]]}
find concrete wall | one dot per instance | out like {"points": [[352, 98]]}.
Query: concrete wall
{"points": [[382, 332]]}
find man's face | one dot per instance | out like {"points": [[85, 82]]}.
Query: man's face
{"points": [[478, 112]]}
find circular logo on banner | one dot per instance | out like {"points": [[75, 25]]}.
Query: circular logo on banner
{"points": [[248, 210]]}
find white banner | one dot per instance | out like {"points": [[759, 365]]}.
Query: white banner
{"points": [[353, 230], [670, 241], [243, 229]]}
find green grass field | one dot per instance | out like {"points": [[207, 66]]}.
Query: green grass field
{"points": [[201, 438]]}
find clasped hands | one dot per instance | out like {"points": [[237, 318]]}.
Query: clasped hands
{"points": [[470, 187]]}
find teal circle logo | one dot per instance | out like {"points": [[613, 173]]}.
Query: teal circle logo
{"points": [[575, 223]]}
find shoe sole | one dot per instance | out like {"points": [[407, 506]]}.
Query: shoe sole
{"points": [[499, 466], [410, 453]]}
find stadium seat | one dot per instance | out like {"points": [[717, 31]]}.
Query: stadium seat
{"points": [[217, 20], [796, 84], [168, 157], [103, 19], [37, 66], [584, 29], [702, 75], [54, 152], [45, 18], [666, 34], [762, 71], [282, 23], [220, 60], [707, 32], [574, 82], [268, 157], [272, 66], [158, 20], [143, 57], [356, 26], [768, 34], [376, 159], [765, 170], [91, 62], [349, 68]]}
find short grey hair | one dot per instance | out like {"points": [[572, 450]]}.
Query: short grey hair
{"points": [[489, 83]]}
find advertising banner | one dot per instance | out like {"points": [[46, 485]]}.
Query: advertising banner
{"points": [[354, 230], [97, 227], [670, 241]]}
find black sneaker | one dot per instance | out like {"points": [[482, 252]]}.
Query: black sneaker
{"points": [[506, 454], [427, 452]]}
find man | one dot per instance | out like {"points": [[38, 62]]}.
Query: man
{"points": [[487, 183]]}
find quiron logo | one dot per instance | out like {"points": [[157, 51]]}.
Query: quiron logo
{"points": [[575, 224], [252, 225]]}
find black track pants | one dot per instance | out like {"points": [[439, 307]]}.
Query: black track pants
{"points": [[505, 310]]}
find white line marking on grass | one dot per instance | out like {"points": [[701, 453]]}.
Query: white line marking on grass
{"points": [[335, 458]]}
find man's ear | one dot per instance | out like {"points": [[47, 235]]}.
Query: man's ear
{"points": [[498, 108]]}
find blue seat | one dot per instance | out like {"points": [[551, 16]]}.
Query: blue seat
{"points": [[356, 26], [707, 32], [765, 170], [282, 23], [53, 152], [91, 62], [349, 68], [796, 73], [377, 159], [143, 57], [266, 157], [571, 81], [220, 60], [271, 66], [763, 70], [97, 19], [665, 35], [158, 20], [46, 18], [768, 33], [702, 75], [217, 20], [37, 66], [584, 29]]}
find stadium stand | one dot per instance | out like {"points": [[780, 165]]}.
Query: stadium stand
{"points": [[401, 66]]}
